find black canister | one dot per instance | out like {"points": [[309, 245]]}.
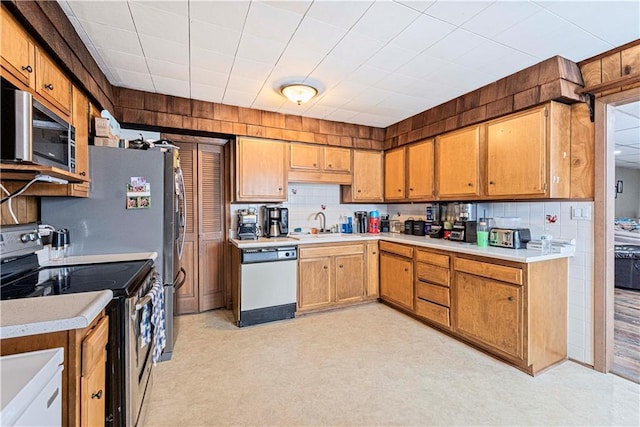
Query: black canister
{"points": [[418, 227], [408, 226]]}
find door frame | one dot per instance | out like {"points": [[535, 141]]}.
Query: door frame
{"points": [[604, 214]]}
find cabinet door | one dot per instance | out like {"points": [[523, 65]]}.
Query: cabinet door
{"points": [[93, 395], [457, 157], [337, 159], [490, 312], [52, 84], [396, 280], [367, 176], [261, 170], [305, 157], [16, 50], [420, 164], [349, 277], [516, 152], [211, 227], [80, 120], [373, 265], [314, 283], [394, 174]]}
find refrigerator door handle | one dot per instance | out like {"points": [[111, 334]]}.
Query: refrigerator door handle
{"points": [[179, 284], [183, 216]]}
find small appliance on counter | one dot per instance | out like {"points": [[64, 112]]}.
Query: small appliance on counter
{"points": [[465, 226], [395, 226], [276, 221], [513, 238], [436, 230], [408, 226], [362, 223], [385, 224], [247, 224], [418, 227]]}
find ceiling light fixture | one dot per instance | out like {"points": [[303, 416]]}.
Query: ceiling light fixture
{"points": [[298, 92]]}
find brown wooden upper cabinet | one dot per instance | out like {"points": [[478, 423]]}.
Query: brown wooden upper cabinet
{"points": [[458, 163], [28, 67], [261, 170], [528, 153], [408, 172], [315, 163], [367, 178]]}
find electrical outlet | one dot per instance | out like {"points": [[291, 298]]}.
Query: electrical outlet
{"points": [[581, 214]]}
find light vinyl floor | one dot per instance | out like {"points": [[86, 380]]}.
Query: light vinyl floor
{"points": [[366, 365]]}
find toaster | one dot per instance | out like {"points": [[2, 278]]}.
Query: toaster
{"points": [[513, 238]]}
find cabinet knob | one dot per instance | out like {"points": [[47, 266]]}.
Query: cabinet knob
{"points": [[410, 189], [48, 86], [492, 182], [279, 188], [470, 184], [359, 191], [329, 165], [83, 173], [97, 395], [314, 165], [325, 267], [510, 298], [406, 270], [341, 266], [374, 252], [399, 190], [27, 68]]}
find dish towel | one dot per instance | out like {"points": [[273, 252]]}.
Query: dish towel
{"points": [[158, 319]]}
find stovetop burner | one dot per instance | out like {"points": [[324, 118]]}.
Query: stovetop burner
{"points": [[120, 277]]}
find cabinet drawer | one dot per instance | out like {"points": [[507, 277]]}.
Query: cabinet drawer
{"points": [[434, 312], [432, 273], [93, 346], [432, 258], [331, 250], [492, 271], [402, 250], [433, 293]]}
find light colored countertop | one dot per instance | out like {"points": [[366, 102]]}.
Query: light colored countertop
{"points": [[39, 315], [517, 255], [31, 316]]}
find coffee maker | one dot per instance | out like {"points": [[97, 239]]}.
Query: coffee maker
{"points": [[465, 226], [247, 224], [275, 221], [362, 223], [434, 219]]}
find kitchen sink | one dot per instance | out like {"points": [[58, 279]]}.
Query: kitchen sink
{"points": [[321, 236]]}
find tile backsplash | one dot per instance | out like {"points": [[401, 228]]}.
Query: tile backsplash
{"points": [[548, 217]]}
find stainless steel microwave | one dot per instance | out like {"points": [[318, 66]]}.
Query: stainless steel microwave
{"points": [[32, 133]]}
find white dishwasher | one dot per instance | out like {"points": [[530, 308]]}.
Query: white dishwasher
{"points": [[268, 284]]}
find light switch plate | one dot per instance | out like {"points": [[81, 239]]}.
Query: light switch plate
{"points": [[581, 214]]}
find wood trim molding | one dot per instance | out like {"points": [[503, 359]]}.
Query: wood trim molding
{"points": [[628, 80], [604, 212]]}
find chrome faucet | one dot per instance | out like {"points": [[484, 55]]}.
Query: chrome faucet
{"points": [[323, 220]]}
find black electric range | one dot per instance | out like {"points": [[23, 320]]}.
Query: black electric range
{"points": [[122, 278]]}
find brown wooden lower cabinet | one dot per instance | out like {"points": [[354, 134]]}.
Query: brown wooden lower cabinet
{"points": [[515, 311], [83, 376], [333, 275]]}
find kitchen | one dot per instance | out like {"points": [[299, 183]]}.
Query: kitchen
{"points": [[148, 109]]}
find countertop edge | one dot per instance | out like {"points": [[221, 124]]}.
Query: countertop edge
{"points": [[517, 255]]}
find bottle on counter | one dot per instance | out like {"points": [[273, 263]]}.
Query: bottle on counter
{"points": [[374, 222], [482, 233]]}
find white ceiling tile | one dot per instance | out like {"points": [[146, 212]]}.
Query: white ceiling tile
{"points": [[168, 69], [333, 70], [123, 61], [349, 90], [260, 49], [319, 111], [589, 16], [238, 97], [159, 23], [375, 23], [391, 57], [499, 16], [214, 37], [212, 61], [268, 97], [112, 38], [251, 69], [206, 92], [625, 121], [298, 61], [316, 36], [135, 80], [394, 82], [171, 86], [342, 115], [371, 96], [401, 101], [356, 47], [422, 33], [174, 7], [628, 136], [261, 13], [228, 14], [454, 45], [486, 53], [421, 66], [349, 13], [419, 5], [207, 77], [297, 6], [625, 150], [632, 108], [368, 75], [509, 64], [457, 12], [244, 84], [113, 14], [164, 50]]}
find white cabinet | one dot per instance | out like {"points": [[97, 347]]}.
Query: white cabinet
{"points": [[31, 388]]}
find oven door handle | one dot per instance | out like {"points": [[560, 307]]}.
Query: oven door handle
{"points": [[143, 301]]}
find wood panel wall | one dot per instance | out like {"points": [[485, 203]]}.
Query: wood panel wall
{"points": [[613, 71], [26, 209], [170, 112], [556, 78]]}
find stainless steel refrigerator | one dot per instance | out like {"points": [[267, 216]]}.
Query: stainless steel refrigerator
{"points": [[102, 223]]}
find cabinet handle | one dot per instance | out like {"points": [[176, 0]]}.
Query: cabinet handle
{"points": [[492, 183], [83, 173], [97, 395], [510, 298], [48, 86], [27, 68]]}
